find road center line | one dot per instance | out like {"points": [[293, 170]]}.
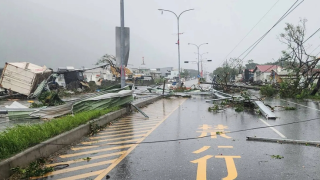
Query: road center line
{"points": [[276, 131]]}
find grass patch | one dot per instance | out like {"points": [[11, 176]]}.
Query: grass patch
{"points": [[181, 89], [277, 157], [20, 137], [290, 108]]}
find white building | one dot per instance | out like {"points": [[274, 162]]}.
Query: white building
{"points": [[155, 73], [98, 73], [172, 75]]}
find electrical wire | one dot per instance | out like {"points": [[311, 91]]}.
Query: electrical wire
{"points": [[259, 40], [252, 29], [315, 49], [284, 16], [311, 35], [292, 51], [292, 8], [195, 138]]}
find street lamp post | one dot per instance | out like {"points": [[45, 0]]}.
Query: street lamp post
{"points": [[209, 60], [201, 62], [198, 47], [178, 18]]}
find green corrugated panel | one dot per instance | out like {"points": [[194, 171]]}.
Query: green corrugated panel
{"points": [[39, 89], [101, 104], [16, 115]]}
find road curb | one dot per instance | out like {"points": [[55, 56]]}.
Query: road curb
{"points": [[56, 143]]}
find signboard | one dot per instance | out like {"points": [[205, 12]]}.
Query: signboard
{"points": [[126, 46]]}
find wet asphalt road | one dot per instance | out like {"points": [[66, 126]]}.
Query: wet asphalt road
{"points": [[252, 160], [171, 147]]}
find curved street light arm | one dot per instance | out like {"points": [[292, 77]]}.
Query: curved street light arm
{"points": [[203, 44], [193, 44], [169, 11], [184, 12]]}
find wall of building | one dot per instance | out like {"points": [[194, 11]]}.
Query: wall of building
{"points": [[165, 71]]}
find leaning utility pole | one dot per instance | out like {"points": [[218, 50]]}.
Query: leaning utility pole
{"points": [[122, 70]]}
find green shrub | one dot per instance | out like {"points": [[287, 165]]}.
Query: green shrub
{"points": [[267, 90], [20, 137], [239, 109], [290, 108]]}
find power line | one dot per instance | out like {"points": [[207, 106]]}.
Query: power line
{"points": [[292, 8], [281, 18], [292, 51], [252, 29], [314, 49], [311, 35], [194, 138]]}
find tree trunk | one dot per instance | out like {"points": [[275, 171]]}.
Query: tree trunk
{"points": [[315, 90]]}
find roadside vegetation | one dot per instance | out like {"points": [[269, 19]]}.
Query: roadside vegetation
{"points": [[239, 105], [35, 169], [20, 137], [301, 68], [289, 90]]}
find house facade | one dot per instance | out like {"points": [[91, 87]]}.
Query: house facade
{"points": [[263, 72]]}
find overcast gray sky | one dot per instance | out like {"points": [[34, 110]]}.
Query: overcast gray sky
{"points": [[76, 33]]}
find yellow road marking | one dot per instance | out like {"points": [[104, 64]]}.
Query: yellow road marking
{"points": [[138, 121], [202, 167], [126, 126], [115, 135], [114, 164], [84, 147], [82, 176], [204, 148], [225, 146], [83, 159], [77, 168], [123, 130], [135, 119], [231, 167], [123, 142], [111, 143], [94, 151], [132, 125], [105, 140]]}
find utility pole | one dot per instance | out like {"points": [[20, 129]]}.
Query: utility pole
{"points": [[122, 70]]}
